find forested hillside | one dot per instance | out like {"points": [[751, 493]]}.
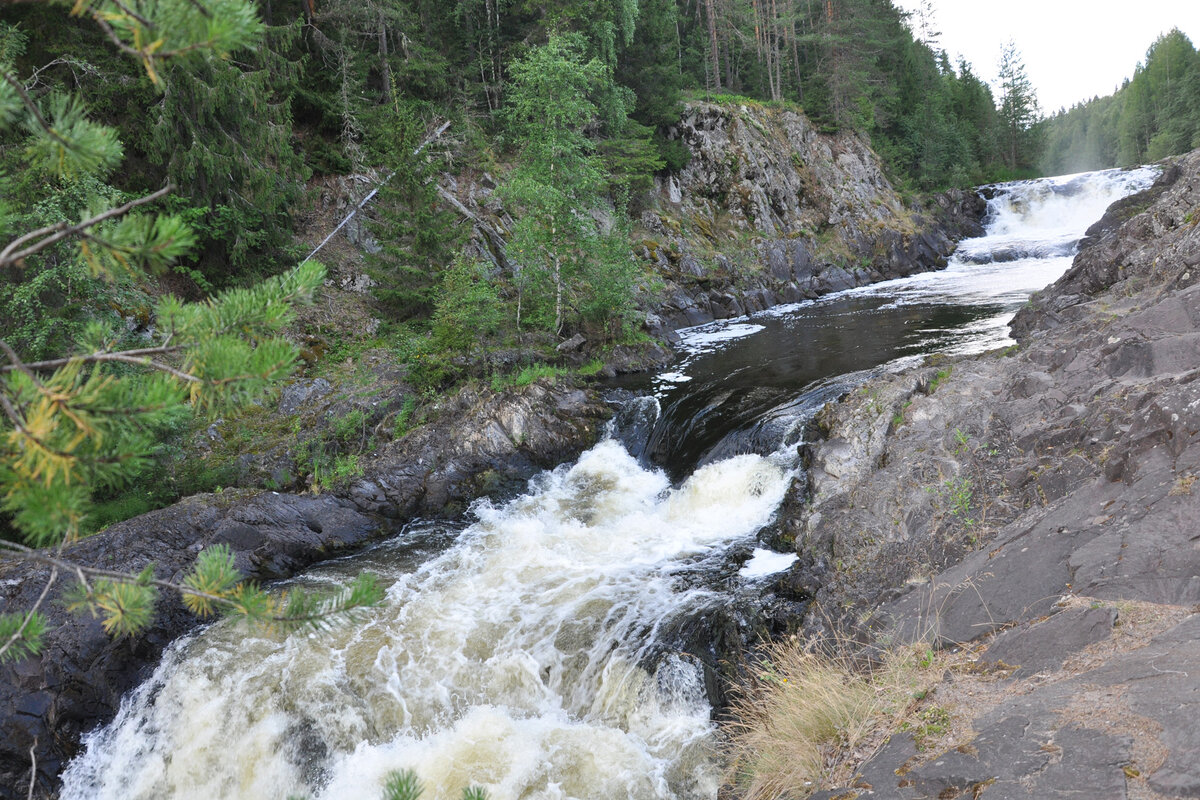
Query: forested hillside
{"points": [[336, 88], [1153, 115], [191, 150]]}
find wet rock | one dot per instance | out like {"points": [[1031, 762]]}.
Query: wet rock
{"points": [[78, 681]]}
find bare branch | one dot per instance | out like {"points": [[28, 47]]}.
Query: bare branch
{"points": [[95, 572], [32, 768], [40, 366], [16, 363], [133, 13], [428, 139], [115, 39], [144, 361]]}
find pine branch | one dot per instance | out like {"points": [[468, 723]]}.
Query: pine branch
{"points": [[58, 232], [96, 572], [33, 109], [301, 609], [29, 615], [92, 358]]}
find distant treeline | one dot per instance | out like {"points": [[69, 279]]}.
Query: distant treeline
{"points": [[1153, 115]]}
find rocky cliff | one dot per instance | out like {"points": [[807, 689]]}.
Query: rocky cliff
{"points": [[1037, 507], [769, 210]]}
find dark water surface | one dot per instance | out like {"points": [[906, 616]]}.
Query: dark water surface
{"points": [[743, 394]]}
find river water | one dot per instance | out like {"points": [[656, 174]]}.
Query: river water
{"points": [[520, 649]]}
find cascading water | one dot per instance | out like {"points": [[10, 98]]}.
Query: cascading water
{"points": [[741, 382], [523, 653], [512, 661]]}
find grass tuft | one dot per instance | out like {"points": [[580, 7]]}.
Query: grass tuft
{"points": [[802, 717]]}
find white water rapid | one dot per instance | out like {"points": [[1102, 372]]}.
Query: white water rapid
{"points": [[525, 655], [1033, 229], [513, 661]]}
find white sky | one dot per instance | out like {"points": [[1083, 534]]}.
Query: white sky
{"points": [[1073, 49]]}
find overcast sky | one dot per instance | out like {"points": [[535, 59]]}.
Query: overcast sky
{"points": [[1073, 49]]}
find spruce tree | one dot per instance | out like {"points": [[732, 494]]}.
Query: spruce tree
{"points": [[1018, 109]]}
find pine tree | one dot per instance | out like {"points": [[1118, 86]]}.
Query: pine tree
{"points": [[84, 420]]}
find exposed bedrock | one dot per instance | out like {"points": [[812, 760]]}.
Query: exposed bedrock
{"points": [[1038, 504], [771, 211]]}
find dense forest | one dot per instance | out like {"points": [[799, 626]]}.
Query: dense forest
{"points": [[154, 151], [1154, 114], [344, 87]]}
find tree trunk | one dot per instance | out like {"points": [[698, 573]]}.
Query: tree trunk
{"points": [[712, 38], [557, 295], [385, 68]]}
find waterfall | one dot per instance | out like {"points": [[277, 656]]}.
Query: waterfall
{"points": [[525, 654]]}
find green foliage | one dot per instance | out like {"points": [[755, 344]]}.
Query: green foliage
{"points": [[72, 145], [1153, 115], [415, 233], [649, 66], [468, 311], [630, 160], [350, 427], [1018, 110], [404, 418], [125, 604], [404, 785], [24, 632], [566, 258], [223, 132], [528, 375], [430, 368]]}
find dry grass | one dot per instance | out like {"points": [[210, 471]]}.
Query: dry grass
{"points": [[804, 720]]}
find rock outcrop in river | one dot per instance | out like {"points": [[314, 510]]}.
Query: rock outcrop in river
{"points": [[1038, 506]]}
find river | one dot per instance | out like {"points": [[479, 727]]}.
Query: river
{"points": [[521, 649]]}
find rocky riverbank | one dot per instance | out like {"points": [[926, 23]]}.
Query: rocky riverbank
{"points": [[1036, 506], [768, 210], [479, 442]]}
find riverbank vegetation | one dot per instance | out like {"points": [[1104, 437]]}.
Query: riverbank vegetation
{"points": [[806, 716]]}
